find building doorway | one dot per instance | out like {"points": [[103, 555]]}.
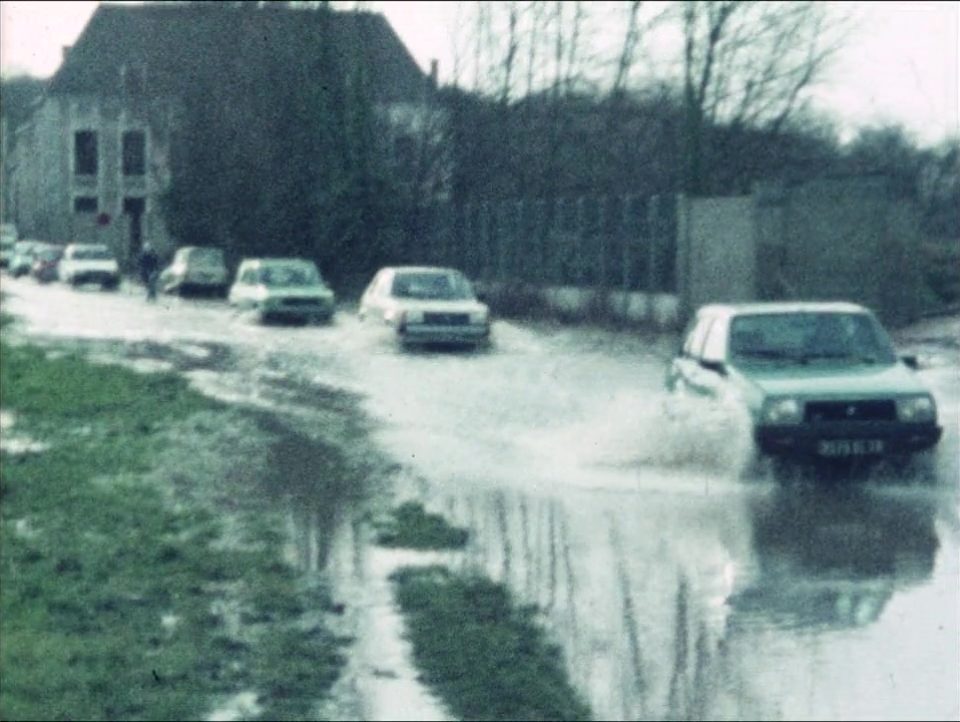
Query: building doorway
{"points": [[133, 209]]}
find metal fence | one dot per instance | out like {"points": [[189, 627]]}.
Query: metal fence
{"points": [[623, 243]]}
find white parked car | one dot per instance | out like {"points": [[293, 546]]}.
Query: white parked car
{"points": [[89, 263], [282, 288], [426, 305], [195, 268], [22, 258]]}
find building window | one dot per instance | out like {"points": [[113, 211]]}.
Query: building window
{"points": [[85, 204], [85, 152], [134, 152]]}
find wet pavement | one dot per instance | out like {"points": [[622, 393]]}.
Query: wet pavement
{"points": [[677, 585]]}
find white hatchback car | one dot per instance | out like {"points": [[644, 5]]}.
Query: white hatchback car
{"points": [[195, 268], [89, 263], [427, 305], [287, 288]]}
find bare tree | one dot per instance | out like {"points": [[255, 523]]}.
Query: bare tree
{"points": [[746, 64]]}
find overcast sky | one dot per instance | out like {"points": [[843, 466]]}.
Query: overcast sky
{"points": [[900, 63]]}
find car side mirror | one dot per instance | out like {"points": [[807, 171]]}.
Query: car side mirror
{"points": [[910, 361], [718, 367]]}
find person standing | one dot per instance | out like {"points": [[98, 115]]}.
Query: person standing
{"points": [[149, 270]]}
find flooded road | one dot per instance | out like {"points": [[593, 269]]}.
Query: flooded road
{"points": [[677, 586]]}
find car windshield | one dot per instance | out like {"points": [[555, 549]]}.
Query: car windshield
{"points": [[290, 276], [432, 286], [92, 253], [809, 336], [206, 257]]}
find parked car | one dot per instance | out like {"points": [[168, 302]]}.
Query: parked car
{"points": [[8, 239], [89, 263], [195, 268], [282, 288], [426, 305], [46, 262], [22, 258], [820, 380]]}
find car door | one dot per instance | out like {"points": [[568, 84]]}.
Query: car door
{"points": [[710, 374], [684, 375], [242, 291], [376, 297]]}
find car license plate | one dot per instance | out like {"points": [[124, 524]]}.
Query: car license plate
{"points": [[849, 447]]}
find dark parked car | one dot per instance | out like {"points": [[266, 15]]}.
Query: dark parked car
{"points": [[820, 380]]}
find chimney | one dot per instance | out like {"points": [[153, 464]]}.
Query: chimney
{"points": [[65, 50], [434, 64]]}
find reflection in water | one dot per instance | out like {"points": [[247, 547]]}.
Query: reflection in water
{"points": [[625, 589], [669, 607], [834, 556]]}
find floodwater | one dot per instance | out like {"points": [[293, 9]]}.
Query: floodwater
{"points": [[677, 585]]}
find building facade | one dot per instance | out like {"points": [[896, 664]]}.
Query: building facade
{"points": [[93, 162]]}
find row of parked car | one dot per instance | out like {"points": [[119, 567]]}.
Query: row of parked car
{"points": [[421, 304]]}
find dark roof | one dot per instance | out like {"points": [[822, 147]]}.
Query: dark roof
{"points": [[170, 39]]}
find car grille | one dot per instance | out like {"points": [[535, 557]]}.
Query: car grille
{"points": [[446, 319], [299, 302], [879, 410]]}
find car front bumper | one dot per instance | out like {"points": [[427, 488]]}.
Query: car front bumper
{"points": [[429, 334], [849, 439], [102, 277], [320, 311]]}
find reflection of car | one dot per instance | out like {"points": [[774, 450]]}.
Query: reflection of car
{"points": [[22, 258], [831, 556], [289, 288], [819, 379], [8, 239], [89, 263], [426, 305], [46, 261], [195, 268]]}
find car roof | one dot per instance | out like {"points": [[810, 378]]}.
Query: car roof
{"points": [[780, 307], [420, 269], [274, 261]]}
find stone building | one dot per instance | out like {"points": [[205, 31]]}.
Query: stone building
{"points": [[95, 157]]}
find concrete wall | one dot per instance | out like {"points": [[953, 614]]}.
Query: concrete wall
{"points": [[717, 251], [831, 239], [846, 238]]}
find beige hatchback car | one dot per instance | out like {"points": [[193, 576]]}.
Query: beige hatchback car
{"points": [[196, 269]]}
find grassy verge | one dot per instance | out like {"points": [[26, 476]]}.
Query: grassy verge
{"points": [[410, 526], [484, 656], [113, 597]]}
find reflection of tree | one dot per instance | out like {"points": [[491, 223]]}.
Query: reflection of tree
{"points": [[834, 557]]}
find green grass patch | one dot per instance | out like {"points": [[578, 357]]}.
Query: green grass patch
{"points": [[108, 606], [486, 657], [410, 526]]}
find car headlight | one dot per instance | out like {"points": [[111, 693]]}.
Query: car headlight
{"points": [[782, 411], [479, 317], [916, 409]]}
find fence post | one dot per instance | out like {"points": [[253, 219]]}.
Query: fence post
{"points": [[581, 236], [628, 226], [653, 242], [603, 207]]}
